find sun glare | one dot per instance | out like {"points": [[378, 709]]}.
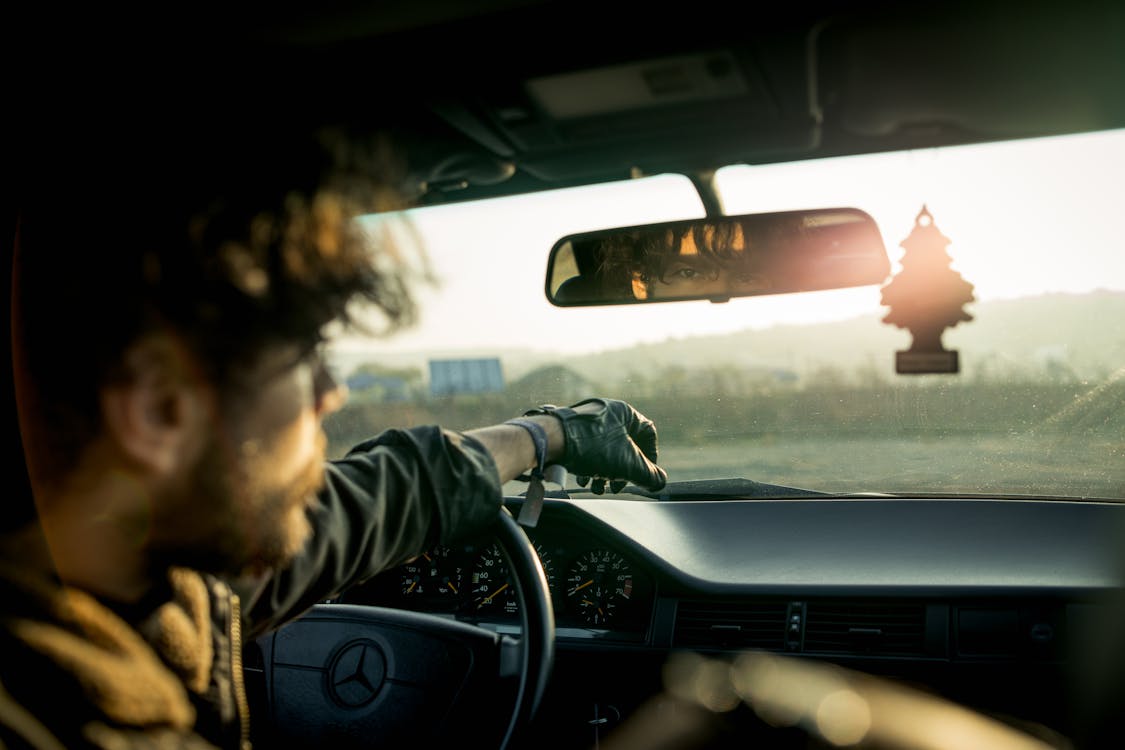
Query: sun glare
{"points": [[1024, 218]]}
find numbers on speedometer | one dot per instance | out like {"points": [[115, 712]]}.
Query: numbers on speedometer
{"points": [[598, 586], [492, 587]]}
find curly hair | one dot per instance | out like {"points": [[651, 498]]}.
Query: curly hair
{"points": [[741, 244], [647, 253], [230, 245]]}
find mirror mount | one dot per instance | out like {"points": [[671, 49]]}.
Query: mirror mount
{"points": [[704, 183]]}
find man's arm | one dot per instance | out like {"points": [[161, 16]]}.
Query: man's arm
{"points": [[404, 490], [390, 498], [512, 448]]}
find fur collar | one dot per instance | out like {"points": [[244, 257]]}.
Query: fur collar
{"points": [[134, 676]]}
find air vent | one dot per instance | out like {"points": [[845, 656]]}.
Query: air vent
{"points": [[865, 628], [730, 624]]}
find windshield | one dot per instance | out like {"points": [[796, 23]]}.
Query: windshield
{"points": [[797, 389]]}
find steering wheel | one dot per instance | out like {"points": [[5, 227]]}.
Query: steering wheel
{"points": [[345, 675]]}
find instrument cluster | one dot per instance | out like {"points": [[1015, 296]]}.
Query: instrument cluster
{"points": [[596, 588]]}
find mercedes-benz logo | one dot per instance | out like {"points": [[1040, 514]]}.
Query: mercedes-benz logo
{"points": [[357, 673]]}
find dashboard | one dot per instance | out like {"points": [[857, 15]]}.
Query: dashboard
{"points": [[951, 577], [997, 604]]}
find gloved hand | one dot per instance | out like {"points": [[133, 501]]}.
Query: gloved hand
{"points": [[608, 441]]}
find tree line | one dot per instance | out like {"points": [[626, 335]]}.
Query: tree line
{"points": [[702, 407]]}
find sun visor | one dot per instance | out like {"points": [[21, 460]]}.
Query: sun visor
{"points": [[643, 115]]}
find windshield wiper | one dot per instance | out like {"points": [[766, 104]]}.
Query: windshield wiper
{"points": [[738, 489], [721, 489]]}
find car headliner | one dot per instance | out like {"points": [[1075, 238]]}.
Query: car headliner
{"points": [[498, 97]]}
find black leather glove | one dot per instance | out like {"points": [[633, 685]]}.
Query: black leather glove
{"points": [[614, 444]]}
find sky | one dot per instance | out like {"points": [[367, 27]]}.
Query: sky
{"points": [[1025, 217]]}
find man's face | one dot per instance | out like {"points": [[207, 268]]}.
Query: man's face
{"points": [[690, 273], [242, 506]]}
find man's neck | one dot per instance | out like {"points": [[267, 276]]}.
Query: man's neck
{"points": [[94, 536]]}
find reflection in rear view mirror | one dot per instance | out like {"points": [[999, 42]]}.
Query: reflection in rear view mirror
{"points": [[718, 258]]}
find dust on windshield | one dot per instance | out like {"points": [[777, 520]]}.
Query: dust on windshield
{"points": [[797, 389]]}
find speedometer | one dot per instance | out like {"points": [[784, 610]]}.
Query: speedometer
{"points": [[598, 585], [492, 588]]}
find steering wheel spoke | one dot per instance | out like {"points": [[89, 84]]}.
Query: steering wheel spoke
{"points": [[359, 676], [511, 657]]}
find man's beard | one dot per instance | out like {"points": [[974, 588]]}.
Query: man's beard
{"points": [[229, 520]]}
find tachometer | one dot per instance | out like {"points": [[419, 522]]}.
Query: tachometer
{"points": [[598, 585]]}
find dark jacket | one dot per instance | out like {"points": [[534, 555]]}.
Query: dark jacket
{"points": [[75, 672]]}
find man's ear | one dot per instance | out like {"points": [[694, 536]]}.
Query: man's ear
{"points": [[153, 414]]}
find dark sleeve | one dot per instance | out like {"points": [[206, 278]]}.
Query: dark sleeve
{"points": [[389, 499]]}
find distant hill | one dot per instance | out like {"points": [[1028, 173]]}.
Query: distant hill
{"points": [[1060, 335], [551, 383], [1077, 334]]}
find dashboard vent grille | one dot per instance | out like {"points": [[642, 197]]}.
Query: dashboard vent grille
{"points": [[730, 624], [866, 628]]}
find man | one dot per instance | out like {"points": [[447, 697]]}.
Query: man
{"points": [[169, 307]]}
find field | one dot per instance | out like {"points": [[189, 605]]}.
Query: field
{"points": [[962, 463], [1045, 439]]}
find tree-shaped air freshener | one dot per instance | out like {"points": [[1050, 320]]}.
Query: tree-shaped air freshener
{"points": [[926, 297]]}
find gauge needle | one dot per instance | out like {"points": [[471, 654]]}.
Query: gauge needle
{"points": [[450, 585], [576, 589], [488, 598], [428, 559], [412, 585]]}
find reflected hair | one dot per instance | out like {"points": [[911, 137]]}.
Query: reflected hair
{"points": [[719, 245]]}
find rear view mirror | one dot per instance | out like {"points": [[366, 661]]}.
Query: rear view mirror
{"points": [[718, 258]]}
